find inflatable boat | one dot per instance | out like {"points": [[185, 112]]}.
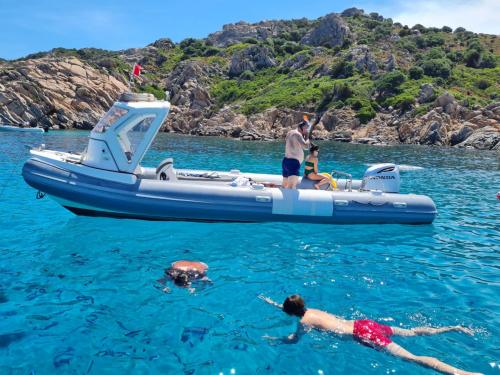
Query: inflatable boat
{"points": [[107, 179], [10, 128]]}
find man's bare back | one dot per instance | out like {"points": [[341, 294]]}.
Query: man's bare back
{"points": [[327, 322]]}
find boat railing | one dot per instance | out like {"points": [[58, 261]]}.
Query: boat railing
{"points": [[347, 179]]}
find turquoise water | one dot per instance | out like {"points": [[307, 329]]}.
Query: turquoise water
{"points": [[81, 295]]}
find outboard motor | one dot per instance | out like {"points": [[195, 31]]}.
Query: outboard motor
{"points": [[383, 177]]}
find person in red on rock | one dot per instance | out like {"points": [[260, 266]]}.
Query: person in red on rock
{"points": [[137, 70]]}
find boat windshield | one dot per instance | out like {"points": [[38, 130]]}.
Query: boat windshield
{"points": [[109, 119], [132, 136]]}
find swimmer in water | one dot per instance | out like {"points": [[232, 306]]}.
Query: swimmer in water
{"points": [[368, 332], [183, 273]]}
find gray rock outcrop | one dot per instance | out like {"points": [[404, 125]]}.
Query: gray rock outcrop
{"points": [[363, 59], [391, 63], [444, 100], [486, 138], [297, 61], [461, 135], [353, 12], [252, 58], [426, 93], [239, 32], [434, 134], [332, 31], [189, 88]]}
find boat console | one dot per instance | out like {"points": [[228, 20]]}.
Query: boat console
{"points": [[123, 135]]}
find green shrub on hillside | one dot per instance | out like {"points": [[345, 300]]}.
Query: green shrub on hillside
{"points": [[405, 31], [381, 31], [430, 40], [357, 103], [404, 101], [292, 47], [247, 75], [211, 51], [172, 58], [342, 69], [434, 53], [408, 44], [389, 83], [487, 60], [153, 89], [472, 58], [455, 56], [419, 27], [437, 68], [416, 72], [365, 114], [342, 91], [192, 47], [251, 41], [482, 84], [476, 56]]}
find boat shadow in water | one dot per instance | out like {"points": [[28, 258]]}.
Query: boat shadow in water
{"points": [[181, 238]]}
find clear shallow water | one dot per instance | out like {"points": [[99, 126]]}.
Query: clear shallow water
{"points": [[80, 295]]}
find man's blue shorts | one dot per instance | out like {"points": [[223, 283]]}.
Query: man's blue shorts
{"points": [[291, 167]]}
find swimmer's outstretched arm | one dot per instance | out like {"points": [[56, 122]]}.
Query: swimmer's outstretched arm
{"points": [[290, 339], [431, 362], [270, 301], [427, 331]]}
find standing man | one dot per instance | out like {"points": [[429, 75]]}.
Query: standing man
{"points": [[296, 143]]}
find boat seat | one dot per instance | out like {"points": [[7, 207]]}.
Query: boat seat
{"points": [[165, 170], [307, 184]]}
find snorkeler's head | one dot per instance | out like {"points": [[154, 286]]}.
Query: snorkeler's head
{"points": [[294, 305], [181, 279]]}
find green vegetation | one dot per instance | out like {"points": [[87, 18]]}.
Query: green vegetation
{"points": [[416, 72], [152, 89], [342, 69], [270, 88], [404, 101], [317, 78], [436, 68], [389, 83]]}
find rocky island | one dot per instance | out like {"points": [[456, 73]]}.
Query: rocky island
{"points": [[359, 77]]}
